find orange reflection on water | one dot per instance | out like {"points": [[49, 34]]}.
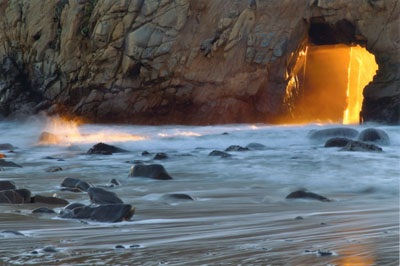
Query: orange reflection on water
{"points": [[356, 255], [64, 132]]}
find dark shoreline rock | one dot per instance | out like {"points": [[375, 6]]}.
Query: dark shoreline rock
{"points": [[75, 184], [7, 146], [361, 146], [48, 200], [337, 142], [236, 148], [7, 185], [374, 135], [4, 163], [109, 213], [301, 194], [220, 154], [153, 171], [104, 149], [160, 156], [102, 196]]}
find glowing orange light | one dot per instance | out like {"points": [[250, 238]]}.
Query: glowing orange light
{"points": [[326, 84], [67, 132]]}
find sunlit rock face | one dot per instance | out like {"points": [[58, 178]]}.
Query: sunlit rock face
{"points": [[187, 61]]}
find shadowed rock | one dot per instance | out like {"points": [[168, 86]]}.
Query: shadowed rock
{"points": [[236, 148], [374, 135], [256, 146], [153, 171], [332, 132], [25, 194], [48, 138], [74, 183], [6, 146], [6, 185], [160, 156], [49, 200], [220, 154], [178, 196], [12, 232], [146, 153], [109, 213], [11, 197], [361, 146], [301, 194], [43, 210], [4, 163], [101, 196], [53, 169], [337, 142], [104, 149]]}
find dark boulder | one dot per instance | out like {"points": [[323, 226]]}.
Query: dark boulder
{"points": [[49, 249], [104, 149], [109, 213], [44, 210], [337, 142], [12, 232], [332, 133], [146, 153], [153, 171], [220, 154], [6, 146], [25, 194], [301, 194], [4, 163], [74, 183], [160, 156], [11, 197], [101, 196], [178, 196], [361, 146], [256, 146], [236, 148], [114, 182], [48, 138], [374, 135], [6, 185], [49, 200]]}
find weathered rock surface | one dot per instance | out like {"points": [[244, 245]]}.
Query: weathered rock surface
{"points": [[6, 146], [220, 154], [337, 142], [5, 185], [104, 149], [236, 148], [44, 210], [183, 61], [48, 200], [4, 163], [101, 196], [153, 171], [374, 135], [74, 183]]}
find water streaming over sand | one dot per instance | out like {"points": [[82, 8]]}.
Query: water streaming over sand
{"points": [[239, 215]]}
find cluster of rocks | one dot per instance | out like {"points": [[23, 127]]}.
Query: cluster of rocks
{"points": [[345, 138]]}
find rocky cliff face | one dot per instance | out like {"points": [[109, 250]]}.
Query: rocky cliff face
{"points": [[183, 61]]}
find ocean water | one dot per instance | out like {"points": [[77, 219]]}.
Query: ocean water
{"points": [[239, 216]]}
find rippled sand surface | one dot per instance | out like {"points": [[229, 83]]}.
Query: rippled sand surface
{"points": [[239, 215]]}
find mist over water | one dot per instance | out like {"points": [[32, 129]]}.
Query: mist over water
{"points": [[239, 216]]}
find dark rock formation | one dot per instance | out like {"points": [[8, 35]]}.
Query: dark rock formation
{"points": [[361, 146], [219, 153], [6, 146], [6, 185], [4, 163], [104, 149], [25, 194], [43, 210], [74, 183], [11, 197], [236, 148], [324, 134], [187, 61], [160, 156], [53, 169], [301, 194], [101, 196], [337, 142], [109, 213], [374, 135], [153, 171], [178, 196]]}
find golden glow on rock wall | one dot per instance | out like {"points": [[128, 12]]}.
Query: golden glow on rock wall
{"points": [[332, 81]]}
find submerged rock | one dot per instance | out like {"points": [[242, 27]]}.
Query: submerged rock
{"points": [[337, 142], [332, 132], [53, 169], [101, 196], [374, 135], [25, 194], [146, 153], [6, 185], [160, 156], [4, 163], [236, 148], [49, 200], [74, 183], [301, 194], [50, 249], [153, 171], [219, 153], [6, 146], [43, 210], [11, 197], [110, 213], [361, 146], [12, 232], [104, 149], [178, 196], [256, 146]]}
